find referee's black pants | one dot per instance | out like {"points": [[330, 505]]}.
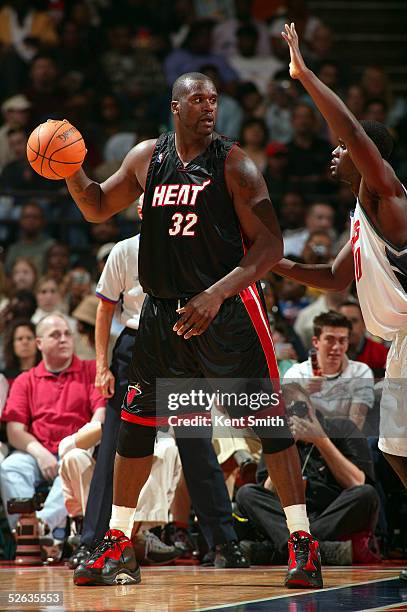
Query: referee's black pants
{"points": [[354, 510], [202, 471]]}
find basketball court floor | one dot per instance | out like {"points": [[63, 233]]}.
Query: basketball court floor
{"points": [[177, 589]]}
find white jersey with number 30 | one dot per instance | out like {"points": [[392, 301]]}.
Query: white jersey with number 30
{"points": [[381, 277]]}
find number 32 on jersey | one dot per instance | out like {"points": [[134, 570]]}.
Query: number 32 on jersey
{"points": [[183, 224], [357, 257]]}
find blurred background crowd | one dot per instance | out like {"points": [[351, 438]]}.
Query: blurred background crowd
{"points": [[108, 66]]}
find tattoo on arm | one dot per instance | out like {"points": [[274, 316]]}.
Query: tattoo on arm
{"points": [[252, 185]]}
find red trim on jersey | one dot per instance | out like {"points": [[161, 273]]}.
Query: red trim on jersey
{"points": [[157, 421], [252, 302], [235, 144]]}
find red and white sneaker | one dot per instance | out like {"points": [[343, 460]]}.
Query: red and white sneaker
{"points": [[113, 561], [304, 562]]}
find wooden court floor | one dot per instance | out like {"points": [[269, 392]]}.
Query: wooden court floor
{"points": [[177, 589]]}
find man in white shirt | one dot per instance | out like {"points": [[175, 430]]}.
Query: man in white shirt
{"points": [[338, 386]]}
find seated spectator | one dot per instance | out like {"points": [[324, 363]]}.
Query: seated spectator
{"points": [[130, 66], [253, 140], [23, 275], [32, 243], [338, 386], [275, 173], [22, 305], [16, 113], [319, 216], [308, 155], [376, 85], [251, 100], [292, 219], [225, 33], [339, 486], [85, 317], [376, 110], [57, 261], [26, 29], [361, 347], [355, 100], [285, 352], [49, 298], [304, 324], [320, 46], [44, 90], [20, 349], [318, 248], [248, 65], [47, 403], [76, 472], [195, 53], [76, 285], [292, 298], [283, 95], [296, 12]]}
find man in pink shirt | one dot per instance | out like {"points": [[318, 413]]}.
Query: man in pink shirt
{"points": [[47, 403]]}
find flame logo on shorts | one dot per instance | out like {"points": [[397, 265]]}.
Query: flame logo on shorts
{"points": [[132, 392]]}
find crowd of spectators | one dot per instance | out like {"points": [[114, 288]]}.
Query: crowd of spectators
{"points": [[108, 68]]}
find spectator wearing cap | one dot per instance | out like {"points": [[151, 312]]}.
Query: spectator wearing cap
{"points": [[85, 315], [16, 113], [33, 243], [275, 173]]}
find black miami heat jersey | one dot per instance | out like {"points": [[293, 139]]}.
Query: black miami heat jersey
{"points": [[190, 235]]}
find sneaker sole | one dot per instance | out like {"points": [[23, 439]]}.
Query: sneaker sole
{"points": [[122, 577], [298, 583]]}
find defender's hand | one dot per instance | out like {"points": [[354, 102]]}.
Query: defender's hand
{"points": [[104, 382], [297, 64], [197, 314]]}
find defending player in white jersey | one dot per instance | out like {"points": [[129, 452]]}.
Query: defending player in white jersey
{"points": [[376, 255]]}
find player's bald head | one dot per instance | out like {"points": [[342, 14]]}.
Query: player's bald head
{"points": [[186, 83]]}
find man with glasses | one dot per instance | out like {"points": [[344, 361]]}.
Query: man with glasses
{"points": [[47, 403]]}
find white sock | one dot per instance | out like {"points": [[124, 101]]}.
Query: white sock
{"points": [[297, 519], [122, 519]]}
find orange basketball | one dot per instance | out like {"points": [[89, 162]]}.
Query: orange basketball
{"points": [[56, 149]]}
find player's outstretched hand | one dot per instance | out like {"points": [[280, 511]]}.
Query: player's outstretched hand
{"points": [[197, 314], [297, 64]]}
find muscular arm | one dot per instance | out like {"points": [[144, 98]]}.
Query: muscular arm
{"points": [[258, 222], [333, 277], [99, 201], [377, 175]]}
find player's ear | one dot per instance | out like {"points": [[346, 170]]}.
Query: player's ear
{"points": [[175, 107]]}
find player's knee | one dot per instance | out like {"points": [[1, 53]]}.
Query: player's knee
{"points": [[135, 440]]}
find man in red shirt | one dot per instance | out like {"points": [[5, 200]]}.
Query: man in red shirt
{"points": [[47, 403], [362, 348]]}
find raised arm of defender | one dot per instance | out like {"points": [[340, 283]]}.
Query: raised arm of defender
{"points": [[377, 174], [99, 202]]}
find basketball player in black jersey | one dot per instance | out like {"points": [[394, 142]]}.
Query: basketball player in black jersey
{"points": [[209, 232]]}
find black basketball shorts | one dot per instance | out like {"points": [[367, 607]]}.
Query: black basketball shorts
{"points": [[236, 346]]}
